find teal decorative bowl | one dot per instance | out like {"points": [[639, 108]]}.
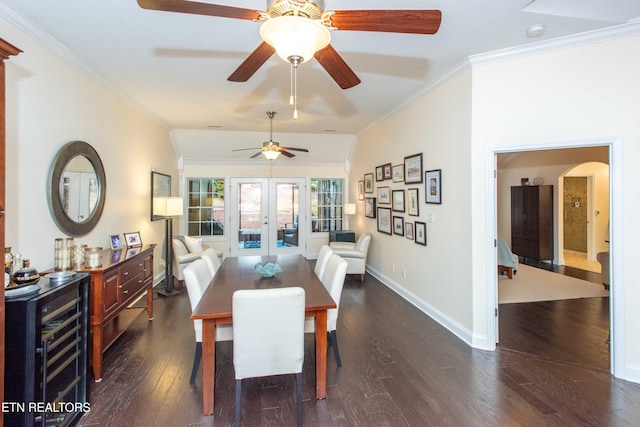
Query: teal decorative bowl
{"points": [[268, 269]]}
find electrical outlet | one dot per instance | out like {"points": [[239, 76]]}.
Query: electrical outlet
{"points": [[404, 273], [393, 268]]}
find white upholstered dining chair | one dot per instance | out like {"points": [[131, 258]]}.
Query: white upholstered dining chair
{"points": [[197, 278], [268, 337], [210, 257], [333, 281], [321, 261]]}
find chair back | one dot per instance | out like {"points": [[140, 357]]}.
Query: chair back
{"points": [[333, 281], [321, 262], [363, 243], [196, 279], [179, 248], [268, 331], [210, 257]]}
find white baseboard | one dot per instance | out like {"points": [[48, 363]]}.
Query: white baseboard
{"points": [[454, 327]]}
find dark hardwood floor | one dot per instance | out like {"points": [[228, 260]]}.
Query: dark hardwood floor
{"points": [[400, 368]]}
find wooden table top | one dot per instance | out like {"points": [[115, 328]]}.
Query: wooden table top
{"points": [[237, 273]]}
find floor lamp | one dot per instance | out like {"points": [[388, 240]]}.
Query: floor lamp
{"points": [[168, 207], [349, 209]]}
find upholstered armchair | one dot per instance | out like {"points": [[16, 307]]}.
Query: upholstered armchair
{"points": [[290, 234], [185, 250], [603, 259], [354, 253]]}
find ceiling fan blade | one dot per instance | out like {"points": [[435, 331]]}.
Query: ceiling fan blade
{"points": [[286, 153], [245, 149], [197, 8], [256, 155], [388, 21], [252, 63], [333, 63], [294, 149]]}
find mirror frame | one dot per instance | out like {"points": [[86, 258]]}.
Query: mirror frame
{"points": [[64, 156]]}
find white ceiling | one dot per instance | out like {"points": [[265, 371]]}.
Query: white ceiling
{"points": [[175, 66]]}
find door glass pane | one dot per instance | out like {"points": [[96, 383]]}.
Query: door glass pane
{"points": [[249, 212], [287, 209]]}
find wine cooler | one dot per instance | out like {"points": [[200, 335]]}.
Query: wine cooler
{"points": [[46, 354]]}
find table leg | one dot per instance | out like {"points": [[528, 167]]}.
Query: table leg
{"points": [[97, 353], [150, 303], [208, 365], [321, 354]]}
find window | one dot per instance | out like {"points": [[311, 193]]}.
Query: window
{"points": [[206, 206], [326, 204]]}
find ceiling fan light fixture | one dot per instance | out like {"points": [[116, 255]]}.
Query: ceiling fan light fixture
{"points": [[271, 154], [295, 36]]}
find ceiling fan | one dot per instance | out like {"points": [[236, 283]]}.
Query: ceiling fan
{"points": [[271, 149], [310, 23]]}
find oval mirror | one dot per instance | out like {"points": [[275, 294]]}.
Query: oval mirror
{"points": [[77, 188]]}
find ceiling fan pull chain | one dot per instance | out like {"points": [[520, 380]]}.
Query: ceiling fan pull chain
{"points": [[295, 93], [291, 89], [293, 99]]}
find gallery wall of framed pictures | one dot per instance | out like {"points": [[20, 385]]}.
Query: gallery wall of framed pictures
{"points": [[392, 191]]}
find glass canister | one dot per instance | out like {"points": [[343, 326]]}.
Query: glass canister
{"points": [[93, 257], [79, 256], [63, 253]]}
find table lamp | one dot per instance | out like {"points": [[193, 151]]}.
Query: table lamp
{"points": [[168, 207]]}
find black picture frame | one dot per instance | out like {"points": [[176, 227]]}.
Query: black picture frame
{"points": [[384, 195], [370, 207], [413, 169], [379, 174], [160, 187], [384, 220], [398, 200], [420, 234], [386, 171], [361, 190], [413, 204], [368, 183], [408, 230], [398, 225], [433, 186]]}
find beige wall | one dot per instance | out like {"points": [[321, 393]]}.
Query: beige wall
{"points": [[582, 95], [436, 278], [50, 103]]}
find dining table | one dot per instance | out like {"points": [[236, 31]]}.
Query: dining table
{"points": [[235, 273]]}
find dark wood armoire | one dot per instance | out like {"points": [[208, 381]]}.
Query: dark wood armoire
{"points": [[532, 221]]}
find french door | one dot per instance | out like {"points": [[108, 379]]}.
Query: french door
{"points": [[267, 216]]}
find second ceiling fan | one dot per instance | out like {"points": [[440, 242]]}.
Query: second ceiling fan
{"points": [[272, 149], [310, 23]]}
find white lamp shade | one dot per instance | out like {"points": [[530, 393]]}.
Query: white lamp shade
{"points": [[271, 154], [295, 36], [168, 206], [350, 208]]}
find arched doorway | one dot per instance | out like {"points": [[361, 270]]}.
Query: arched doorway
{"points": [[583, 220]]}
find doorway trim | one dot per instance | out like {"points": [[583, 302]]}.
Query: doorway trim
{"points": [[616, 301]]}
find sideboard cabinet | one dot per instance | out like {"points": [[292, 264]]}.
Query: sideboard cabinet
{"points": [[125, 275]]}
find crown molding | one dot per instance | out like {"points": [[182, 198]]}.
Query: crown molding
{"points": [[41, 36], [566, 42], [590, 37]]}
